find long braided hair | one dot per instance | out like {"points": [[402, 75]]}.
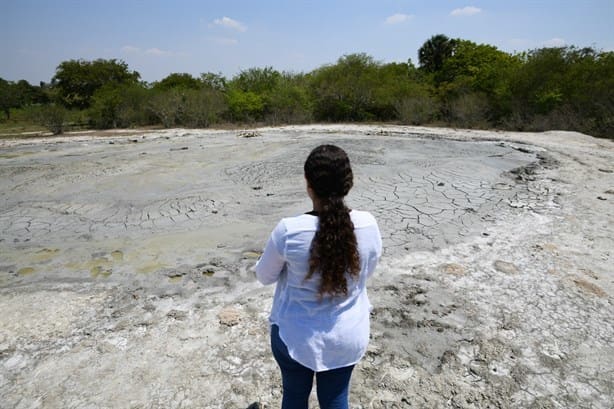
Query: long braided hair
{"points": [[334, 251]]}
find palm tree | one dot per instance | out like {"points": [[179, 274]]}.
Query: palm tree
{"points": [[435, 51]]}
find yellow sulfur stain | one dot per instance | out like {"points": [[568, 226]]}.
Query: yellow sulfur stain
{"points": [[45, 254], [117, 256], [98, 271], [150, 268], [25, 271]]}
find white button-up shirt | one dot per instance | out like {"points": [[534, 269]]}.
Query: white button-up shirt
{"points": [[321, 333]]}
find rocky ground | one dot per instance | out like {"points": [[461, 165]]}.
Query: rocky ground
{"points": [[126, 282]]}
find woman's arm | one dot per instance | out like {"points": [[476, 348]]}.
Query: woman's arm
{"points": [[271, 263]]}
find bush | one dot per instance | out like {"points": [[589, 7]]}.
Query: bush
{"points": [[202, 108], [469, 111], [52, 117], [119, 106], [417, 110]]}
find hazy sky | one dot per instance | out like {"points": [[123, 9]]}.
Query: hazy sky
{"points": [[158, 37]]}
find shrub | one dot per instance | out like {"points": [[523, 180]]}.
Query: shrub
{"points": [[417, 110], [52, 117]]}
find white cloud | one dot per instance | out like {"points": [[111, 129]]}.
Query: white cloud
{"points": [[227, 22], [154, 51], [157, 52], [397, 18], [465, 11], [555, 42], [225, 40], [128, 49]]}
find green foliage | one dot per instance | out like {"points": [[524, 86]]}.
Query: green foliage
{"points": [[115, 105], [244, 106], [435, 51], [7, 98], [476, 72], [166, 106], [177, 80], [417, 106], [289, 102], [193, 108], [458, 82], [19, 95], [53, 117], [78, 80], [345, 91], [213, 81], [202, 107]]}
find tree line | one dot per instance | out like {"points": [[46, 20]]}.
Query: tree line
{"points": [[456, 83]]}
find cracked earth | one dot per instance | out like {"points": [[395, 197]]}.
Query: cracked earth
{"points": [[126, 267]]}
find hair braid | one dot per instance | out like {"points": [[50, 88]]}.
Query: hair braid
{"points": [[334, 251]]}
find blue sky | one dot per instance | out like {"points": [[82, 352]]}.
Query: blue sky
{"points": [[159, 37]]}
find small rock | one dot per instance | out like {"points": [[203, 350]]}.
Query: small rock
{"points": [[453, 269], [177, 314], [420, 299], [175, 274], [506, 267], [248, 134], [609, 192], [229, 316], [589, 288]]}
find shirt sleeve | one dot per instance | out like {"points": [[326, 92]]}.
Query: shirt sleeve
{"points": [[272, 261], [377, 249]]}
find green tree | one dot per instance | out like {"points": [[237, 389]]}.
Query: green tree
{"points": [[475, 82], [250, 93], [202, 107], [213, 81], [18, 95], [78, 80], [290, 101], [115, 105], [8, 98], [244, 106], [345, 91], [178, 80]]}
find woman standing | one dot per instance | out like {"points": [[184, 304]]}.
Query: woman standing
{"points": [[321, 261]]}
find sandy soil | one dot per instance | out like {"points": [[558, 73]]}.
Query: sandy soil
{"points": [[126, 282]]}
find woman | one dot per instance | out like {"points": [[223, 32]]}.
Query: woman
{"points": [[321, 261]]}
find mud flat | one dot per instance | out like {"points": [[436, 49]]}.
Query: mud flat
{"points": [[125, 267]]}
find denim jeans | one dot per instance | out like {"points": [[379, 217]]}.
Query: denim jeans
{"points": [[333, 386]]}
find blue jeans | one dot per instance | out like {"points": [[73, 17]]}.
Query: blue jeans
{"points": [[333, 386]]}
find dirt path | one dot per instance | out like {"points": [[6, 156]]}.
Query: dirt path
{"points": [[125, 264]]}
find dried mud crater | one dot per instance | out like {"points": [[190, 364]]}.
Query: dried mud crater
{"points": [[125, 267]]}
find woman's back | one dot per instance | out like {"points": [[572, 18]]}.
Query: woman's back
{"points": [[309, 322]]}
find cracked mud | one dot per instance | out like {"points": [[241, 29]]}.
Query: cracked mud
{"points": [[125, 267]]}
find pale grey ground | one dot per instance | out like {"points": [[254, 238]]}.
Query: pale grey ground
{"points": [[125, 267]]}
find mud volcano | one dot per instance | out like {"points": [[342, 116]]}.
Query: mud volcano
{"points": [[125, 268]]}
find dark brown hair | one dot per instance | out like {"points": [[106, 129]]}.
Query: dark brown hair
{"points": [[334, 250]]}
